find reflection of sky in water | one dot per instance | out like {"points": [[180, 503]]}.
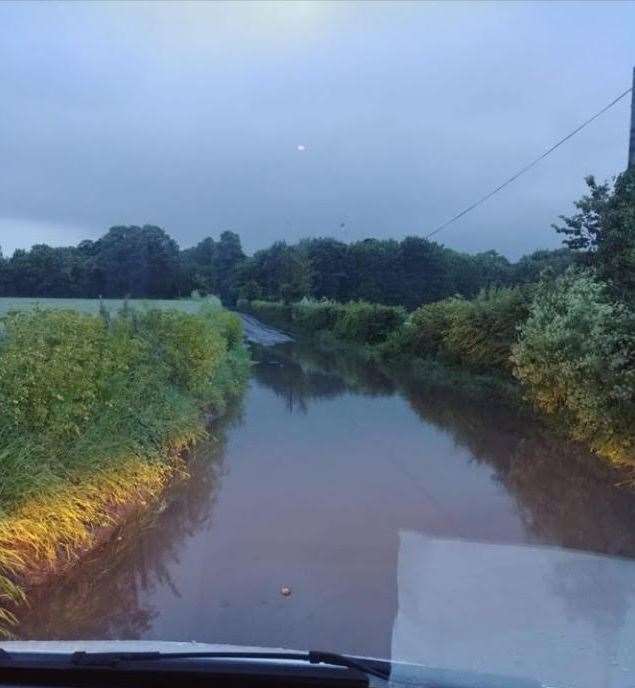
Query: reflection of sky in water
{"points": [[561, 616]]}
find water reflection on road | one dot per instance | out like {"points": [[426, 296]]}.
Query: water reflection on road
{"points": [[313, 484]]}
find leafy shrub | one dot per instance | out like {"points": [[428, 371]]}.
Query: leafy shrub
{"points": [[359, 322], [482, 331], [399, 344], [576, 358], [312, 316], [477, 333], [274, 312], [428, 327], [368, 323]]}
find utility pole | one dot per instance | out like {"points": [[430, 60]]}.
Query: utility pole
{"points": [[631, 145]]}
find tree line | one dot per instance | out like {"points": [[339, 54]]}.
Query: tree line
{"points": [[145, 262]]}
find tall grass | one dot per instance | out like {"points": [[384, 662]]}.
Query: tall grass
{"points": [[94, 413]]}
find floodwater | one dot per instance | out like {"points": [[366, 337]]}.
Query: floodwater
{"points": [[407, 522]]}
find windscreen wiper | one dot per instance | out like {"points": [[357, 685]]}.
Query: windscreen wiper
{"points": [[376, 667], [156, 669], [104, 659], [198, 660]]}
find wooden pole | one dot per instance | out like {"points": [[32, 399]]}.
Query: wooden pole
{"points": [[631, 145]]}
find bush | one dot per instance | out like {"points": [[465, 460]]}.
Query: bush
{"points": [[576, 358], [478, 333], [428, 327], [313, 316], [359, 322], [482, 331], [368, 323], [274, 312]]}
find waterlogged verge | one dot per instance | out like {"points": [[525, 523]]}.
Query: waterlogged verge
{"points": [[95, 412]]}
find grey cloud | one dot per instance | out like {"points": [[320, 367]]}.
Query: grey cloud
{"points": [[188, 115]]}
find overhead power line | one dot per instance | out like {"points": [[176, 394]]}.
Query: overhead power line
{"points": [[528, 167]]}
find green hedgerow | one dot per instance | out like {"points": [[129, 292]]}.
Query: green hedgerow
{"points": [[576, 359]]}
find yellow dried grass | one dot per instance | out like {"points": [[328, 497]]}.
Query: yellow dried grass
{"points": [[49, 531]]}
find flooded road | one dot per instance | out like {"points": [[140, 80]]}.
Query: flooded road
{"points": [[405, 522]]}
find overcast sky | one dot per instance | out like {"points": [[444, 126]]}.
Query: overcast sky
{"points": [[283, 120]]}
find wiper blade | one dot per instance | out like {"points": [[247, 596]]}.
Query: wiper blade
{"points": [[367, 666], [82, 658], [375, 668], [275, 668], [341, 669]]}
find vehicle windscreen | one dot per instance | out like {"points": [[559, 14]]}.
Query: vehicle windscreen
{"points": [[317, 331]]}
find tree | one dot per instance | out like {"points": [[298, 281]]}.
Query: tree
{"points": [[375, 271], [281, 272], [603, 231], [145, 262], [330, 267], [250, 290], [4, 275], [228, 255], [426, 272], [295, 276], [531, 267], [42, 271], [135, 261]]}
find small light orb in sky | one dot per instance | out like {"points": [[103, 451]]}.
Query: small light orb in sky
{"points": [[301, 147]]}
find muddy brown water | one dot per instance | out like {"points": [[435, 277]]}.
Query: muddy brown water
{"points": [[316, 482]]}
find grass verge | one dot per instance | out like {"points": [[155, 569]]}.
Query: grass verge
{"points": [[95, 413]]}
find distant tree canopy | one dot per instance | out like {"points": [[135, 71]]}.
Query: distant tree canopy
{"points": [[145, 262], [408, 272], [135, 261], [211, 267]]}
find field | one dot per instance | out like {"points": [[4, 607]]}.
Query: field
{"points": [[9, 303]]}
